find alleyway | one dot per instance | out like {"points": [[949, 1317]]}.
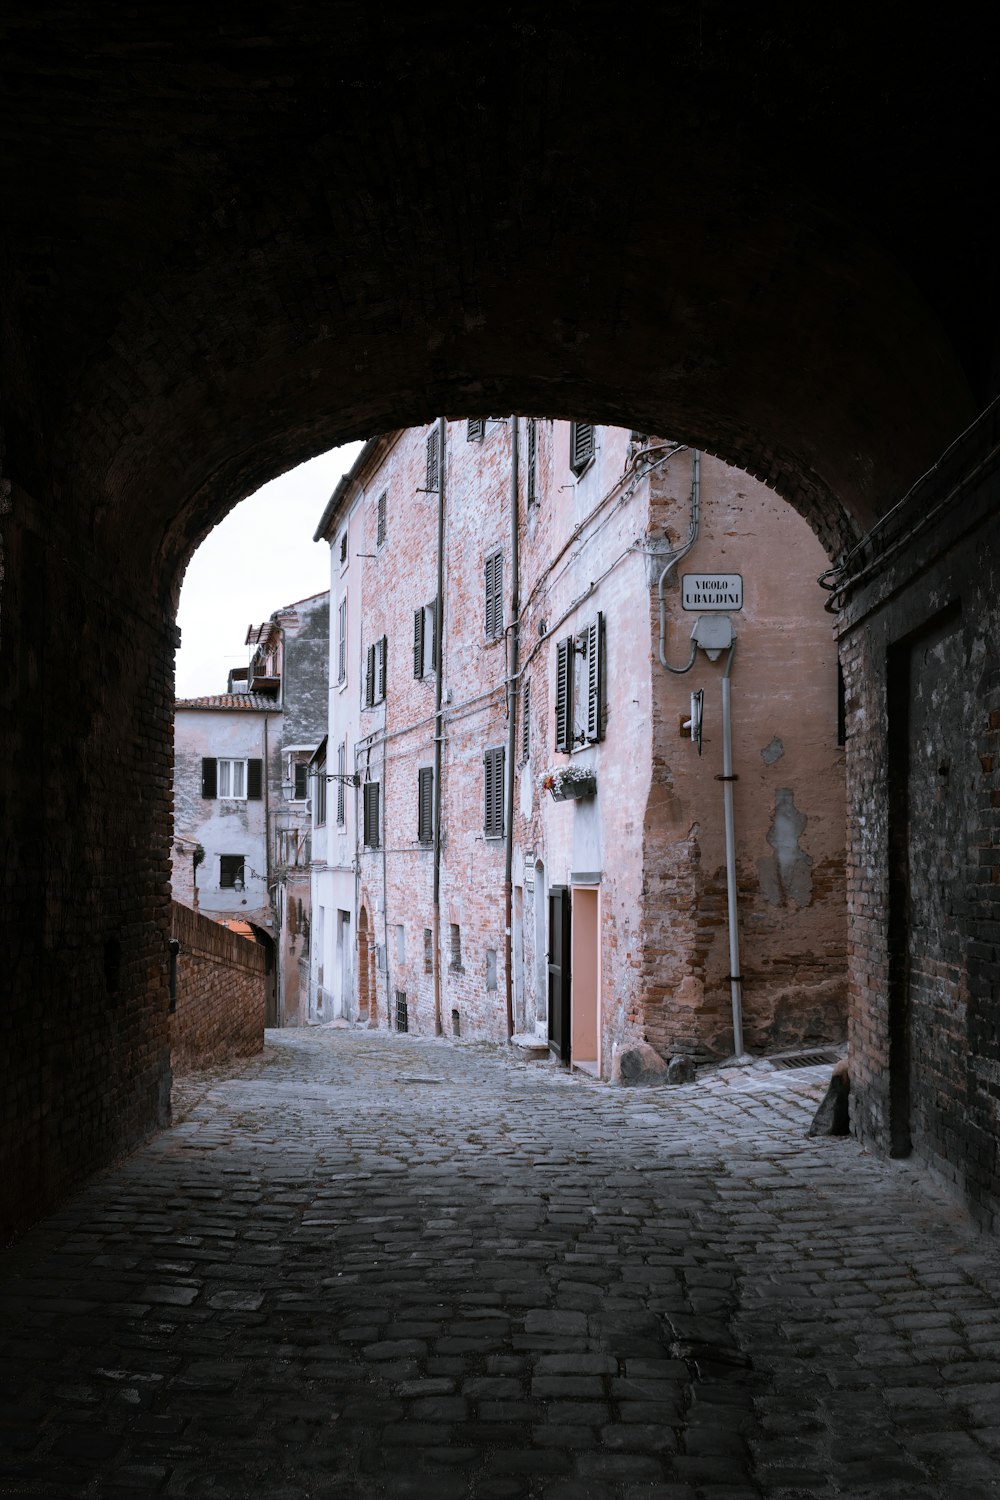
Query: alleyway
{"points": [[380, 1266]]}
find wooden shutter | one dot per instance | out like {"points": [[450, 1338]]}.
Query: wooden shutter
{"points": [[380, 519], [209, 776], [341, 772], [581, 445], [564, 694], [342, 641], [532, 485], [595, 679], [475, 428], [370, 677], [255, 780], [493, 577], [434, 636], [526, 720], [433, 459], [493, 797], [425, 804], [418, 642], [383, 658], [560, 978], [371, 799]]}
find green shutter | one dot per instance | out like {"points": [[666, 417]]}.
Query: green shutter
{"points": [[425, 805], [493, 793], [595, 679], [564, 694], [255, 780], [370, 677], [418, 642]]}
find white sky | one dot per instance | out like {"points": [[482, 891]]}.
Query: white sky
{"points": [[261, 557]]}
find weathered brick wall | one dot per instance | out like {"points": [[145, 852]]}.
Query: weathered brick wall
{"points": [[221, 993], [86, 677], [922, 666]]}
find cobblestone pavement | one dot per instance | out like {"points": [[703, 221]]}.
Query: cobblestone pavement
{"points": [[383, 1266]]}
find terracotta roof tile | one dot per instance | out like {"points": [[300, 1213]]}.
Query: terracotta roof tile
{"points": [[248, 702]]}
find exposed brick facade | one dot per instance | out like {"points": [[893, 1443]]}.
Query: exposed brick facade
{"points": [[648, 847], [221, 992]]}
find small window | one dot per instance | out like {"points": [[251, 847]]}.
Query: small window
{"points": [[233, 779], [581, 446], [580, 706], [425, 639], [231, 871], [491, 968], [380, 532], [433, 459], [400, 943], [493, 579], [425, 805], [343, 547], [375, 672], [532, 464], [319, 798], [455, 943], [402, 1013], [493, 793], [428, 951], [300, 774], [371, 814], [526, 721], [475, 429], [342, 641], [341, 773]]}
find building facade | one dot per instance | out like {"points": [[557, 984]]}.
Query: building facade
{"points": [[242, 821], [530, 823]]}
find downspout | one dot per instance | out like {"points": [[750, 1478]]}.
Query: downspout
{"points": [[735, 978], [438, 724], [675, 558], [512, 680]]}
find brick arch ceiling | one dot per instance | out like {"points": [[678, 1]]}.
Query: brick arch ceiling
{"points": [[236, 235]]}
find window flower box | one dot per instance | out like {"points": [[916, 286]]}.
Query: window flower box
{"points": [[569, 783]]}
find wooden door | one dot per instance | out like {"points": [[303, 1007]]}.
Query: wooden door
{"points": [[559, 972]]}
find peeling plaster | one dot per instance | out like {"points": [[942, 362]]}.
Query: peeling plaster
{"points": [[772, 752], [787, 875]]}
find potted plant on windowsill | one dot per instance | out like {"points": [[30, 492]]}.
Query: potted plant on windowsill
{"points": [[569, 783]]}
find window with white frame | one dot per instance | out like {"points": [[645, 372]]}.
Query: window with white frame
{"points": [[342, 641], [235, 779]]}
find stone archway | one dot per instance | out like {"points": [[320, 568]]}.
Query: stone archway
{"points": [[196, 296]]}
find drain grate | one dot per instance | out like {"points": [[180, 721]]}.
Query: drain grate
{"points": [[804, 1059]]}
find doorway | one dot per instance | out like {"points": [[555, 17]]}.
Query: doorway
{"points": [[585, 984]]}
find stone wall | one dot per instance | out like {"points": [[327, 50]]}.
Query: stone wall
{"points": [[221, 993], [922, 667]]}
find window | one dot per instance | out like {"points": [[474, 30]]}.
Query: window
{"points": [[342, 641], [300, 775], [402, 1015], [231, 871], [425, 805], [428, 951], [580, 707], [400, 943], [425, 639], [493, 793], [455, 938], [380, 532], [433, 459], [475, 429], [581, 446], [319, 801], [493, 571], [343, 547], [341, 773], [235, 780], [371, 811], [491, 968], [526, 720], [532, 465], [375, 672]]}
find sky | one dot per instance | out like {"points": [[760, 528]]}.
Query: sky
{"points": [[260, 558]]}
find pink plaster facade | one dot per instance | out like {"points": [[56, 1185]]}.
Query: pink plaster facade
{"points": [[640, 864]]}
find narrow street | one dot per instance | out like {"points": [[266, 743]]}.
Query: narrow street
{"points": [[376, 1265]]}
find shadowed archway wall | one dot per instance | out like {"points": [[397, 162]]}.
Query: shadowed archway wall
{"points": [[232, 239]]}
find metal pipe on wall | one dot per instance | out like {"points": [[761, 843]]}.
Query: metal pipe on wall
{"points": [[438, 723], [735, 978], [512, 695]]}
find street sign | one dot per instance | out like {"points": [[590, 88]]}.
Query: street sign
{"points": [[702, 591]]}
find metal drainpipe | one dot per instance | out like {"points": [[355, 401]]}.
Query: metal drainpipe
{"points": [[515, 605], [735, 978], [438, 724]]}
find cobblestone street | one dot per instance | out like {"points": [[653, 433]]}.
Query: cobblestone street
{"points": [[375, 1265]]}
